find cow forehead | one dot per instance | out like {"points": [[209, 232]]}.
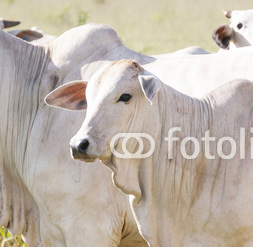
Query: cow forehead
{"points": [[117, 76], [242, 16]]}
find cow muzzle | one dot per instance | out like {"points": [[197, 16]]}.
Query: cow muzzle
{"points": [[80, 150]]}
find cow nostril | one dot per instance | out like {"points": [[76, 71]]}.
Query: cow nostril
{"points": [[83, 146]]}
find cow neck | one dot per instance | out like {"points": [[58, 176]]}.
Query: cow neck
{"points": [[22, 101], [168, 180], [193, 116], [22, 67]]}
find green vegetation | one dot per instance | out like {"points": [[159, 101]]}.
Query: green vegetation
{"points": [[82, 17], [146, 26], [8, 240]]}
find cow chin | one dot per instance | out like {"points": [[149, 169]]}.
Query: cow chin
{"points": [[82, 157]]}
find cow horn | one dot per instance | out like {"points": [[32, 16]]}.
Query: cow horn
{"points": [[227, 13], [10, 23]]}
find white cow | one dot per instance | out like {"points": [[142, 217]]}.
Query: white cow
{"points": [[240, 31], [184, 73], [187, 193], [44, 194], [191, 50], [198, 74]]}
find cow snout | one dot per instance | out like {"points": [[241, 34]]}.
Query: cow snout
{"points": [[83, 146], [80, 150], [79, 147], [85, 149]]}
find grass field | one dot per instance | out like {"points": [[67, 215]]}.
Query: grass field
{"points": [[146, 26]]}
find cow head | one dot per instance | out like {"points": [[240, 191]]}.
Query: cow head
{"points": [[239, 33], [118, 101]]}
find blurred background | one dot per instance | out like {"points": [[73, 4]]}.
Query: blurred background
{"points": [[146, 26]]}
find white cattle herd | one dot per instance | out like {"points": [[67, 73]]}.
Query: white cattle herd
{"points": [[175, 103]]}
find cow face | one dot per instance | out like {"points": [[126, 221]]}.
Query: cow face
{"points": [[114, 98], [242, 24], [239, 33]]}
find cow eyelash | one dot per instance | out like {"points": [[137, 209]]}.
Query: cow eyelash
{"points": [[239, 25], [125, 97]]}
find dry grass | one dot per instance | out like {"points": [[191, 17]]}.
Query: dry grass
{"points": [[147, 26]]}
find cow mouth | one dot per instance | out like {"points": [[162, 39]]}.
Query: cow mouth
{"points": [[82, 157]]}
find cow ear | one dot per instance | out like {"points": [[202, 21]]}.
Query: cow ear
{"points": [[29, 35], [223, 35], [150, 86], [70, 96], [228, 13]]}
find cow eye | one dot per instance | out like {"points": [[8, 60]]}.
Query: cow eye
{"points": [[124, 97], [239, 25]]}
